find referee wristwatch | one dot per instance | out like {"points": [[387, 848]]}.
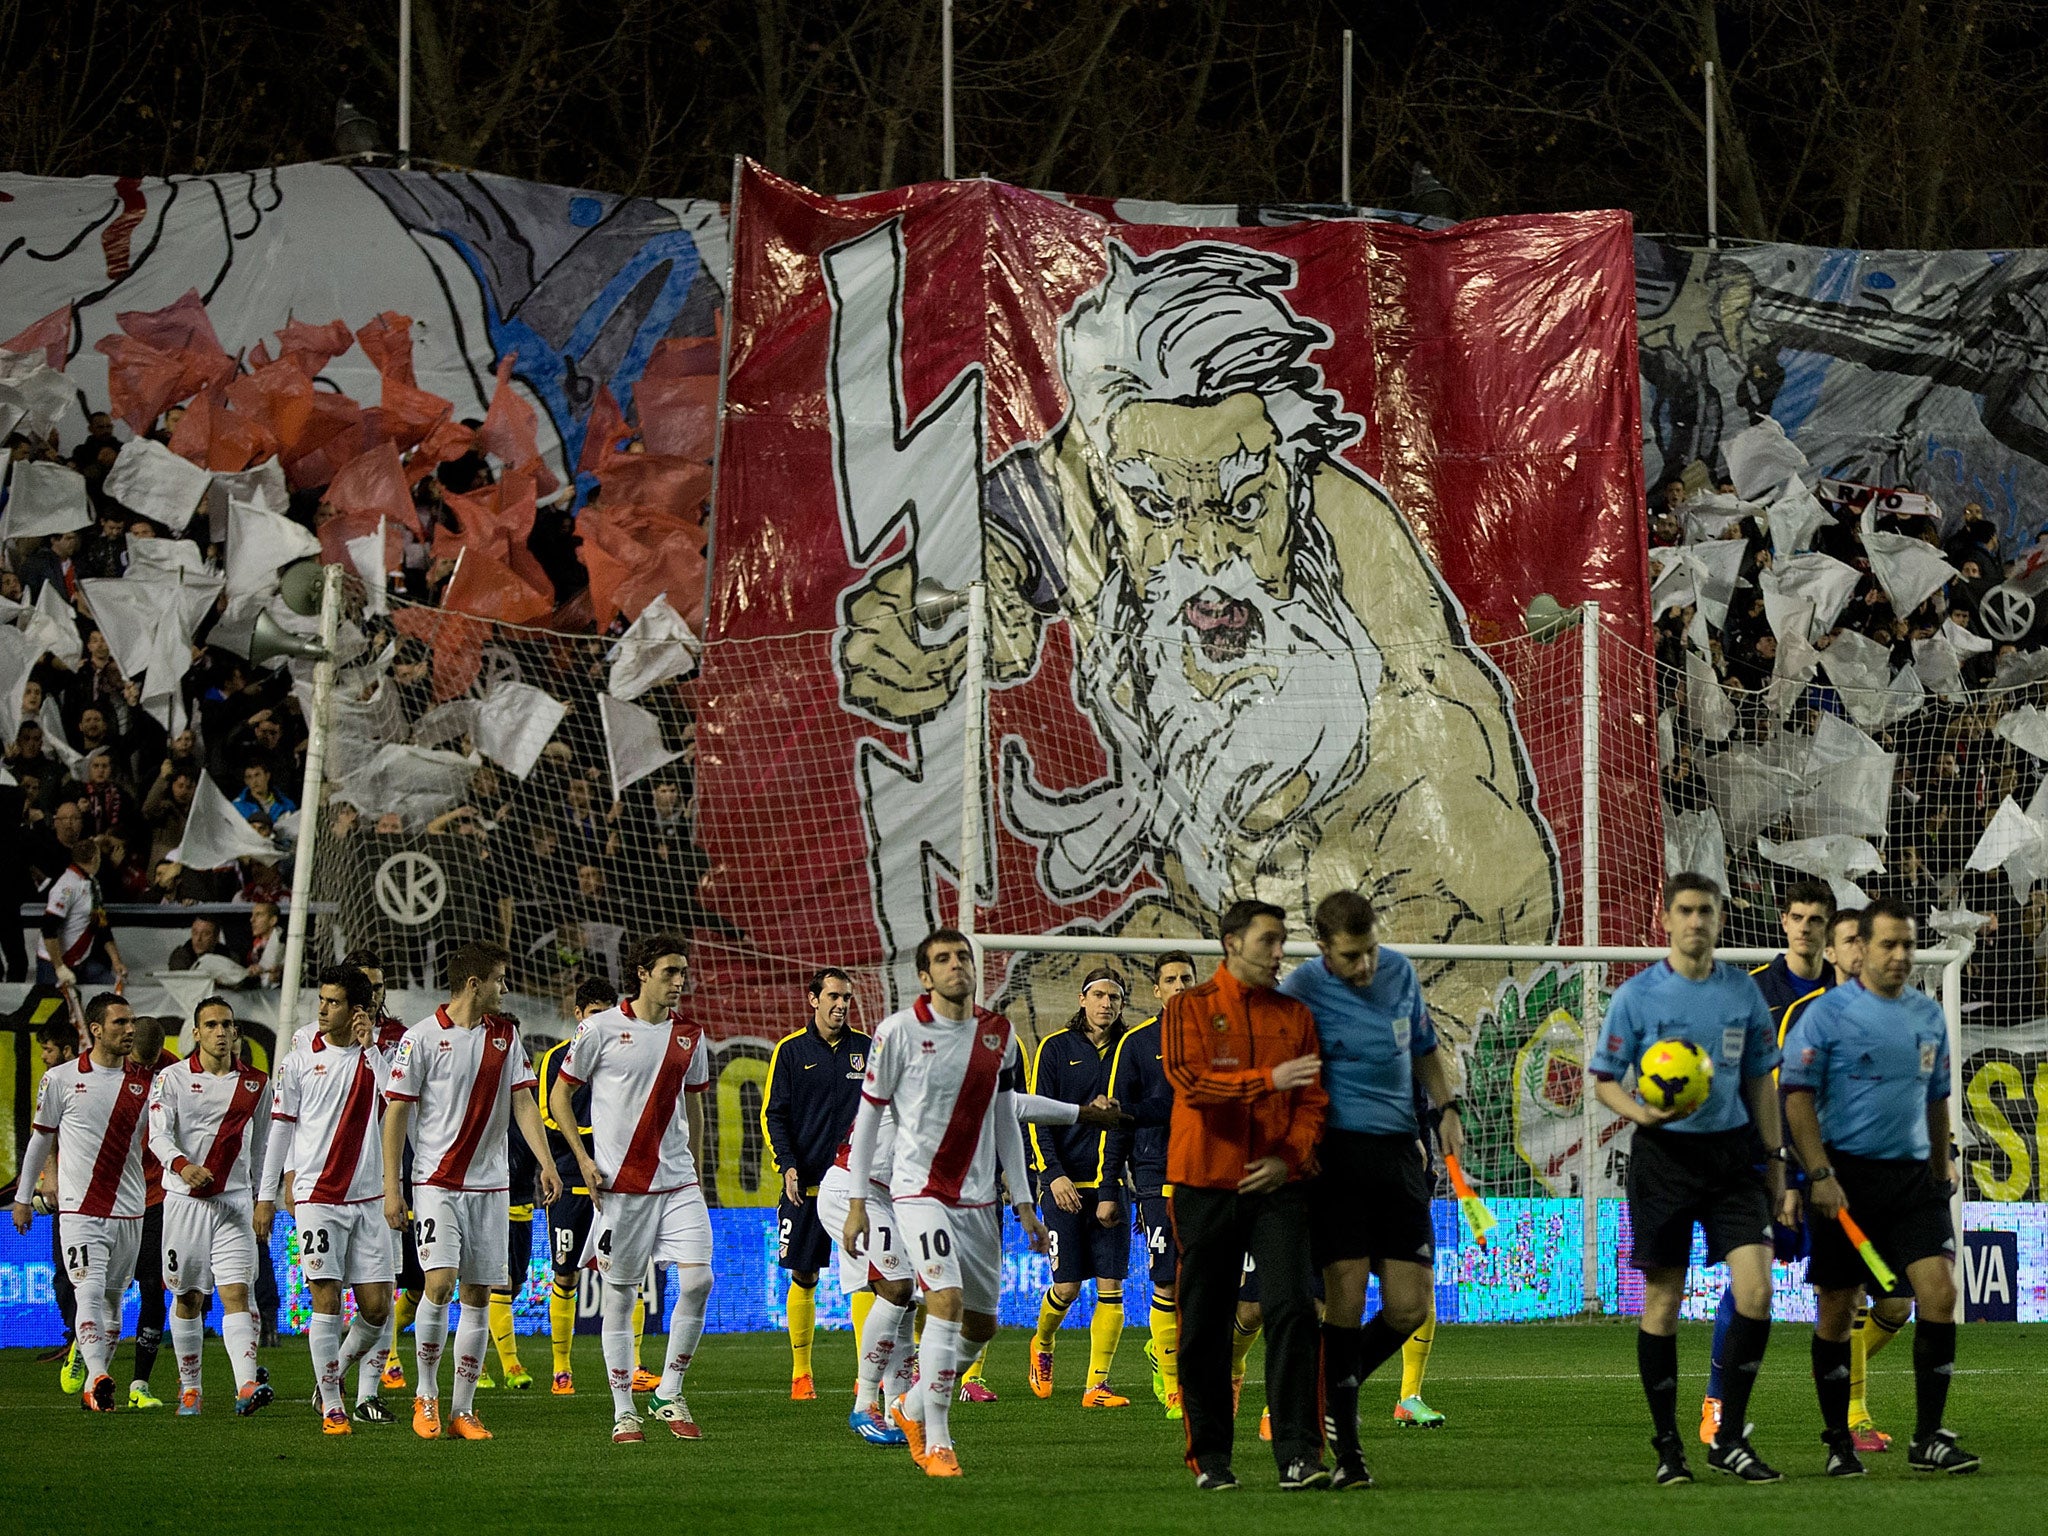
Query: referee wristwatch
{"points": [[1821, 1174]]}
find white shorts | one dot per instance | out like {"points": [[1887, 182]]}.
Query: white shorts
{"points": [[100, 1251], [630, 1231], [884, 1248], [466, 1230], [207, 1243], [347, 1243], [955, 1247]]}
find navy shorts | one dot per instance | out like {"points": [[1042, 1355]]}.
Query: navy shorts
{"points": [[1082, 1248], [568, 1230], [802, 1245], [1155, 1223]]}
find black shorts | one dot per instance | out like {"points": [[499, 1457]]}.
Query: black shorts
{"points": [[568, 1229], [1155, 1220], [1082, 1248], [518, 1248], [1676, 1178], [1900, 1208], [802, 1244], [411, 1278], [1371, 1201]]}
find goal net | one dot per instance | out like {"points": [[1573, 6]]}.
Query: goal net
{"points": [[566, 794]]}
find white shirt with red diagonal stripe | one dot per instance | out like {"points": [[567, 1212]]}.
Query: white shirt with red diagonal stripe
{"points": [[461, 1082], [70, 907], [329, 1110], [638, 1072], [100, 1117], [939, 1079], [217, 1120]]}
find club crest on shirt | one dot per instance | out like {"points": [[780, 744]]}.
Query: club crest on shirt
{"points": [[1218, 1023], [135, 1088], [992, 1041], [498, 1044], [1806, 1055], [857, 1062], [1927, 1049]]}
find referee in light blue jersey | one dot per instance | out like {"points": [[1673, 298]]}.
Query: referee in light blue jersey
{"points": [[1699, 1168], [1369, 1206], [1867, 1088]]}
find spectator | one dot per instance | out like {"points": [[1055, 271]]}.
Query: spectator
{"points": [[258, 798], [107, 805], [266, 945], [55, 561], [204, 940], [166, 807]]}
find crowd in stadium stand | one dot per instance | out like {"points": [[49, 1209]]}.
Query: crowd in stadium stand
{"points": [[1952, 769], [534, 864]]}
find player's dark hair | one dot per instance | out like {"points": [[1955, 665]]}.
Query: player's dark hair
{"points": [[825, 973], [1809, 893], [935, 937], [96, 1010], [218, 1001], [1690, 880], [1100, 973], [1346, 914], [1240, 915], [149, 1039], [475, 961], [60, 1032], [646, 955], [595, 991], [1173, 957], [354, 982], [1845, 915], [1884, 906], [364, 958]]}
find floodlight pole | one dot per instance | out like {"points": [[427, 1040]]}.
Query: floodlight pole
{"points": [[946, 80], [1713, 179], [405, 85], [1345, 144], [1593, 975], [300, 920]]}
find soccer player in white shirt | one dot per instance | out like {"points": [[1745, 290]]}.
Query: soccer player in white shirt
{"points": [[946, 1070], [328, 1101], [457, 1079], [208, 1118], [646, 1066], [92, 1111]]}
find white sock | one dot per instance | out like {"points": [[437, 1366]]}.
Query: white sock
{"points": [[903, 1375], [429, 1333], [323, 1336], [370, 1375], [939, 1357], [685, 1325], [472, 1337], [617, 1303], [362, 1339], [238, 1332], [878, 1350], [188, 1343], [96, 1340]]}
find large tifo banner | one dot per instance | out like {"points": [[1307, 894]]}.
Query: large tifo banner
{"points": [[1887, 368], [577, 286], [1246, 501]]}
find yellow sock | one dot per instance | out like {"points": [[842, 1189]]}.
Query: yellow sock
{"points": [[1166, 1345], [561, 1323], [639, 1327], [803, 1323], [1104, 1329], [1240, 1346], [403, 1309], [973, 1371], [1859, 1359], [1051, 1313], [860, 1304], [503, 1334], [1415, 1357], [917, 1326]]}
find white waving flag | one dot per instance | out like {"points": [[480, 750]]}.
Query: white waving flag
{"points": [[632, 742], [153, 482], [44, 498], [514, 723], [216, 834]]}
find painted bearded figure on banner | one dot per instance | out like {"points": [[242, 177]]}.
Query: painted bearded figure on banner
{"points": [[1283, 685]]}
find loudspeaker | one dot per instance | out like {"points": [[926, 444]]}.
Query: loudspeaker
{"points": [[271, 640], [299, 585]]}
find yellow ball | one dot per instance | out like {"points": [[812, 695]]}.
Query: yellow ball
{"points": [[1674, 1075]]}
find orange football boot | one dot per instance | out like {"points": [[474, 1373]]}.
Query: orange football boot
{"points": [[941, 1463], [467, 1426]]}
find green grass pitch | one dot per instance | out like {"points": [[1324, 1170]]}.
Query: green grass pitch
{"points": [[1547, 1432]]}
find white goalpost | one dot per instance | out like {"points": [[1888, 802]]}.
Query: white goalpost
{"points": [[1936, 971]]}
